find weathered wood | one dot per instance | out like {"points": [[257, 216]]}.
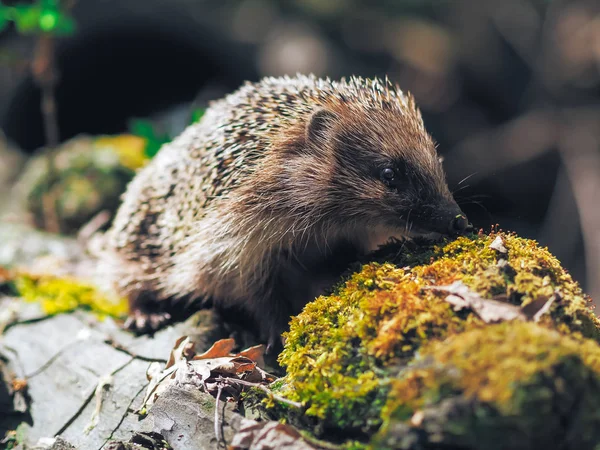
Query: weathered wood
{"points": [[85, 378], [186, 418]]}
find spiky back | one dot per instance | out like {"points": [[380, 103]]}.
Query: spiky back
{"points": [[200, 170], [243, 125]]}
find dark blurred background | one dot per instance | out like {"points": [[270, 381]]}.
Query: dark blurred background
{"points": [[509, 89]]}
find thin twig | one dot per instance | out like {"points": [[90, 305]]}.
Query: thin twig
{"points": [[93, 226], [263, 388], [45, 74], [50, 215], [46, 77], [217, 432]]}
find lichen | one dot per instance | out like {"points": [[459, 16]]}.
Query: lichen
{"points": [[346, 353], [60, 295]]}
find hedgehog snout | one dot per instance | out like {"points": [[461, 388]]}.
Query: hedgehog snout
{"points": [[450, 220], [455, 220], [459, 224]]}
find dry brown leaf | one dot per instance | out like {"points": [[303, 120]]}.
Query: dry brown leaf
{"points": [[19, 384], [158, 382], [5, 275], [177, 351], [498, 245], [488, 310], [268, 436], [243, 364], [255, 353], [225, 367], [492, 311], [208, 371], [220, 348]]}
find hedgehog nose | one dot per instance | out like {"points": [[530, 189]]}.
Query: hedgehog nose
{"points": [[459, 224]]}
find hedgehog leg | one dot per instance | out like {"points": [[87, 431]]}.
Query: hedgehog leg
{"points": [[275, 325], [300, 281], [147, 314], [293, 289]]}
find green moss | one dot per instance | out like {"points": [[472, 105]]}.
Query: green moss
{"points": [[331, 372], [346, 353], [14, 438], [59, 295], [535, 384], [9, 441]]}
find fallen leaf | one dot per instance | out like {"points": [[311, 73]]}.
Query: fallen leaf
{"points": [[19, 384], [225, 366], [498, 245], [153, 370], [208, 371], [5, 275], [255, 353], [157, 385], [489, 311], [268, 436], [180, 349], [220, 348], [417, 419]]}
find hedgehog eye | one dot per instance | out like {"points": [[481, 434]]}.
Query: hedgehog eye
{"points": [[388, 176]]}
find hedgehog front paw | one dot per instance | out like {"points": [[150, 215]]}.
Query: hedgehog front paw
{"points": [[141, 322], [275, 341]]}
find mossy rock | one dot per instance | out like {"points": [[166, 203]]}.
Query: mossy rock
{"points": [[386, 361], [89, 176]]}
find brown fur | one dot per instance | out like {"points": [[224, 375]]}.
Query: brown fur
{"points": [[264, 201]]}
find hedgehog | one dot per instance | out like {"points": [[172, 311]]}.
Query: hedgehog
{"points": [[266, 201]]}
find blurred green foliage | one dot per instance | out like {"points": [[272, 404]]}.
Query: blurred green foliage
{"points": [[43, 16], [154, 137], [197, 114]]}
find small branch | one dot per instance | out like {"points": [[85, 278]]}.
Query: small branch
{"points": [[263, 388], [45, 75], [93, 226], [50, 215], [120, 348], [217, 432]]}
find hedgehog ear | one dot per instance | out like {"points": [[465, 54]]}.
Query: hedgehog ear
{"points": [[319, 124]]}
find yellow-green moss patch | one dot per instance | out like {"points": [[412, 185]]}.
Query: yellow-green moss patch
{"points": [[346, 353], [59, 295], [530, 382], [490, 364]]}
